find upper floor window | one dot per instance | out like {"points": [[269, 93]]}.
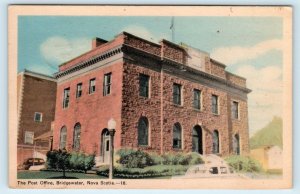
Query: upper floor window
{"points": [[143, 127], [144, 85], [38, 117], [177, 136], [29, 135], [197, 99], [92, 87], [235, 110], [215, 104], [66, 99], [177, 94], [76, 137], [79, 90], [107, 84]]}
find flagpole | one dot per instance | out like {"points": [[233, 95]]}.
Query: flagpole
{"points": [[172, 27]]}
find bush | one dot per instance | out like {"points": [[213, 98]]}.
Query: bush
{"points": [[181, 159], [59, 160], [134, 158], [147, 172], [243, 164], [81, 161]]}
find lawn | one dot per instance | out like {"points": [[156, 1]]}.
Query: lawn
{"points": [[49, 175]]}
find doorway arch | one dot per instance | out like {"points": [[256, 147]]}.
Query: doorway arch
{"points": [[105, 145], [197, 143]]}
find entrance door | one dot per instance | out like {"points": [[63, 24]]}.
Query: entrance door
{"points": [[197, 145], [105, 146]]}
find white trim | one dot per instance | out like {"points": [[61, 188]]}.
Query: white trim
{"points": [[38, 75]]}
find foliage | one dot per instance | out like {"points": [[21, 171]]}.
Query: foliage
{"points": [[63, 160], [271, 134], [147, 172], [134, 158], [81, 161], [130, 158], [243, 164]]}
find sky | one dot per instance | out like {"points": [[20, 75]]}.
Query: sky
{"points": [[251, 47]]}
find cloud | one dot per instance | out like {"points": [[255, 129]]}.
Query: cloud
{"points": [[265, 100], [235, 54], [59, 49], [144, 33]]}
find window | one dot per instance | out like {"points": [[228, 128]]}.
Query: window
{"points": [[177, 136], [214, 104], [38, 117], [215, 142], [92, 88], [235, 110], [143, 127], [76, 138], [106, 84], [29, 135], [79, 90], [197, 99], [236, 144], [63, 138], [144, 85], [66, 99], [177, 94]]}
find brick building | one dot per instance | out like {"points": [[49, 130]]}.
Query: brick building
{"points": [[36, 94], [164, 97]]}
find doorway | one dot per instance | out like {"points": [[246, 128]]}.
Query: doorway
{"points": [[197, 144], [105, 141]]}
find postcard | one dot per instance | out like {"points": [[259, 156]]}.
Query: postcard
{"points": [[150, 97]]}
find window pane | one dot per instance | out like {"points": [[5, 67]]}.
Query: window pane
{"points": [[79, 90], [197, 99], [76, 140], [143, 131], [215, 142], [177, 136], [29, 137], [235, 110], [144, 85], [66, 98], [214, 104], [63, 138], [106, 84], [177, 94], [92, 86]]}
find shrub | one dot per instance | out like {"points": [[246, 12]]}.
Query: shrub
{"points": [[81, 161], [243, 164], [182, 159], [147, 172], [134, 158], [62, 160]]}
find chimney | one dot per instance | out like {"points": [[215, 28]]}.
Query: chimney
{"points": [[97, 42]]}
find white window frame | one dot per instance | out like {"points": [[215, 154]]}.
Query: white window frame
{"points": [[41, 117], [31, 136]]}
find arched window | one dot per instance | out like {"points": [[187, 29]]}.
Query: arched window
{"points": [[143, 127], [76, 137], [177, 136], [236, 144], [216, 147], [63, 138]]}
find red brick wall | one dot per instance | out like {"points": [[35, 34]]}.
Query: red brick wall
{"points": [[236, 79], [92, 111], [217, 70]]}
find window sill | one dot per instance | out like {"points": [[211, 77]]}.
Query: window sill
{"points": [[177, 149], [178, 105], [197, 110], [216, 114]]}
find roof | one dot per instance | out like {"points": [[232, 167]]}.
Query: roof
{"points": [[44, 136]]}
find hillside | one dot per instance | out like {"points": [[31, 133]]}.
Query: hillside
{"points": [[271, 134]]}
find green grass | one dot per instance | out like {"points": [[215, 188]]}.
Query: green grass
{"points": [[49, 175]]}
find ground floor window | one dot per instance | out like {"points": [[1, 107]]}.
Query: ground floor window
{"points": [[236, 144], [63, 138], [177, 136], [143, 127], [76, 138], [216, 142]]}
